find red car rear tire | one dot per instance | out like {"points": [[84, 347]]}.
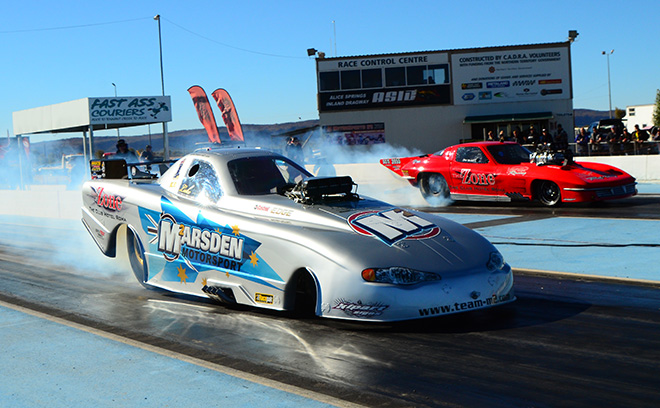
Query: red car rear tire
{"points": [[434, 185]]}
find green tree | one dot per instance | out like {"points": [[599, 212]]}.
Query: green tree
{"points": [[656, 110], [619, 113]]}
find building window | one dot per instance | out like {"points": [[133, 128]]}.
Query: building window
{"points": [[416, 75], [395, 76], [631, 111], [350, 79], [329, 81], [372, 78], [437, 74]]}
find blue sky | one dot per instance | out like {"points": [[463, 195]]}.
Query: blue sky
{"points": [[54, 52]]}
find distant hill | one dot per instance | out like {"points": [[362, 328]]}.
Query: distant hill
{"points": [[584, 117]]}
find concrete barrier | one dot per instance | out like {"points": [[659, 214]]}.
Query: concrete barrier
{"points": [[373, 180], [643, 168]]}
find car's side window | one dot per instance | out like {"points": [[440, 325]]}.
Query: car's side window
{"points": [[291, 174], [201, 183], [470, 154]]}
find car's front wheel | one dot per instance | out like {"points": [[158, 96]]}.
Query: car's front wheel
{"points": [[548, 193], [434, 186]]}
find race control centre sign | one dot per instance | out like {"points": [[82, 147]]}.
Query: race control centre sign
{"points": [[383, 81], [512, 75], [130, 109]]}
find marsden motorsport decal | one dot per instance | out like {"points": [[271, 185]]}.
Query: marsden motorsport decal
{"points": [[392, 225], [206, 246], [200, 245]]}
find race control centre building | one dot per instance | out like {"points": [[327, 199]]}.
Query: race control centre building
{"points": [[433, 99]]}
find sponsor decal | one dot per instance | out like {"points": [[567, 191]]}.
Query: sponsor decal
{"points": [[281, 211], [549, 81], [359, 309], [517, 171], [392, 225], [524, 82], [394, 96], [468, 96], [97, 166], [550, 91], [472, 85], [498, 84], [199, 244], [485, 96], [273, 210], [464, 306], [108, 201], [481, 179], [264, 298]]}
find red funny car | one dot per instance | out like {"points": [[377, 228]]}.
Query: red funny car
{"points": [[506, 171]]}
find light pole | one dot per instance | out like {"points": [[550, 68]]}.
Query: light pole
{"points": [[166, 144], [609, 85], [113, 84]]}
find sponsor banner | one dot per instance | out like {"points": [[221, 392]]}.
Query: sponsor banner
{"points": [[204, 112], [130, 109], [359, 134], [384, 98], [511, 75], [229, 114]]}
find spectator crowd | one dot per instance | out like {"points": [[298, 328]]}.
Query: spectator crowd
{"points": [[608, 140], [614, 140]]}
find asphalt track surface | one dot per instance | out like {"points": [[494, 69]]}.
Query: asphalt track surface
{"points": [[567, 340]]}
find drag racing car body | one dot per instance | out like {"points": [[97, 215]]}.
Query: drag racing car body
{"points": [[506, 171], [251, 227]]}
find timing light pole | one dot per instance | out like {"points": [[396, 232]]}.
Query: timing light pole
{"points": [[166, 143], [609, 85]]}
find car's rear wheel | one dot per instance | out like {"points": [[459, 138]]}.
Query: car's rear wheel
{"points": [[305, 301], [136, 256], [434, 185], [548, 193]]}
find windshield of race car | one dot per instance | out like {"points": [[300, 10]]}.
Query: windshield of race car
{"points": [[265, 175], [509, 153]]}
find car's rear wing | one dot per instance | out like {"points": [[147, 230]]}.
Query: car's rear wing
{"points": [[119, 169], [395, 164]]}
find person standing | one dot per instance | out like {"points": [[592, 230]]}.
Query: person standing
{"points": [[294, 150], [124, 153], [613, 141], [560, 141], [532, 137], [582, 142], [147, 155], [640, 137]]}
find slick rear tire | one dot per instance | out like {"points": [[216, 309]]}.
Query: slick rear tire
{"points": [[434, 186], [136, 257], [548, 193], [306, 295]]}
